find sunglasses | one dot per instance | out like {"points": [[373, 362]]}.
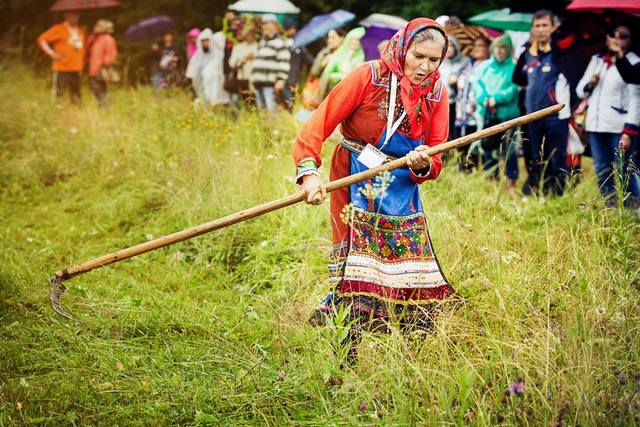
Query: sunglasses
{"points": [[622, 35]]}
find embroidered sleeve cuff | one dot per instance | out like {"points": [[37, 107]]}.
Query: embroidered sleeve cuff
{"points": [[420, 176], [306, 167], [630, 129]]}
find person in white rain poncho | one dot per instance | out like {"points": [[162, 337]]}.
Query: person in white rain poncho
{"points": [[198, 61], [213, 73], [205, 69]]}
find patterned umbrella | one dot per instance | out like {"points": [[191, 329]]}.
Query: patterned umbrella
{"points": [[503, 19], [466, 34], [67, 5], [320, 25], [149, 28]]}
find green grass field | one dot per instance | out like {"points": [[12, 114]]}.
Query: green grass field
{"points": [[213, 331]]}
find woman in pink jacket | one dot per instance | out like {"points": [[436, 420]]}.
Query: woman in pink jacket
{"points": [[103, 53]]}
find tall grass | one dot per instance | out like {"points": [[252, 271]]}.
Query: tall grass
{"points": [[213, 331]]}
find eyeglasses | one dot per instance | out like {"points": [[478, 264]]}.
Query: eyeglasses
{"points": [[622, 35]]}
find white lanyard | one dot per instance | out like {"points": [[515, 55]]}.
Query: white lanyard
{"points": [[392, 127], [371, 156]]}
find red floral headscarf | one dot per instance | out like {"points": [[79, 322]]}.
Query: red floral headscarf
{"points": [[413, 96]]}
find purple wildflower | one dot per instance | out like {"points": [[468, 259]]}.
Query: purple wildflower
{"points": [[337, 381], [517, 388], [362, 406]]}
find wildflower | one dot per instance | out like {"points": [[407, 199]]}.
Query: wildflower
{"points": [[600, 311], [516, 388], [618, 317], [334, 381], [19, 406], [178, 256], [149, 236], [73, 130], [362, 406], [347, 213], [280, 376]]}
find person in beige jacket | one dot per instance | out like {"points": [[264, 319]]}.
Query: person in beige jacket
{"points": [[241, 60]]}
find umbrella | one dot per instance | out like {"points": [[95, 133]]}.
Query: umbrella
{"points": [[262, 6], [67, 5], [379, 27], [466, 34], [384, 21], [320, 25], [630, 6], [503, 19], [149, 28]]}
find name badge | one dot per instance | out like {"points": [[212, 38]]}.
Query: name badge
{"points": [[371, 157]]}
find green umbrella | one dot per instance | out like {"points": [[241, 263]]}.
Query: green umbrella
{"points": [[503, 19]]}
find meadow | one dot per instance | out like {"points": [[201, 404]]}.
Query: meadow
{"points": [[213, 331]]}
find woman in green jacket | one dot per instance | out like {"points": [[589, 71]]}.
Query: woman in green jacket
{"points": [[497, 99], [344, 60]]}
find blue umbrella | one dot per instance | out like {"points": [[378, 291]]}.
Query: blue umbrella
{"points": [[149, 28], [320, 25]]}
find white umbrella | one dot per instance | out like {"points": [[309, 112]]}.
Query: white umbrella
{"points": [[384, 21], [265, 6]]}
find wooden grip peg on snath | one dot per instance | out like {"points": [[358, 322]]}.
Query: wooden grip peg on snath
{"points": [[57, 288]]}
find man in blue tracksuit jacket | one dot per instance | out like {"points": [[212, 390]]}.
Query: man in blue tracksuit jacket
{"points": [[545, 86]]}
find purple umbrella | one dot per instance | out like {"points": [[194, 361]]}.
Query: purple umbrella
{"points": [[320, 25], [149, 28], [372, 38], [379, 27]]}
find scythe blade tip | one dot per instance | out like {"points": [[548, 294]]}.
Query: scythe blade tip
{"points": [[56, 289]]}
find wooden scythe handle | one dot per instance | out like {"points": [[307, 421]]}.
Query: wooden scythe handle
{"points": [[160, 242]]}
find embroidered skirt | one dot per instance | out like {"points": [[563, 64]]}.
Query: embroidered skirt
{"points": [[383, 263]]}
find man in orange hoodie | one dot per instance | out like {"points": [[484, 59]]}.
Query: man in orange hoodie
{"points": [[64, 44], [103, 52]]}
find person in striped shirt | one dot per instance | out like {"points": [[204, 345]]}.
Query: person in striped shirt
{"points": [[271, 64]]}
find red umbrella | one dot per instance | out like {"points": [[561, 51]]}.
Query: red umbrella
{"points": [[630, 6], [66, 5]]}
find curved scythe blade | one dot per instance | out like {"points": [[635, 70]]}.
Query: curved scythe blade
{"points": [[56, 289]]}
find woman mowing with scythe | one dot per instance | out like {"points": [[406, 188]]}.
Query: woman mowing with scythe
{"points": [[382, 264]]}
